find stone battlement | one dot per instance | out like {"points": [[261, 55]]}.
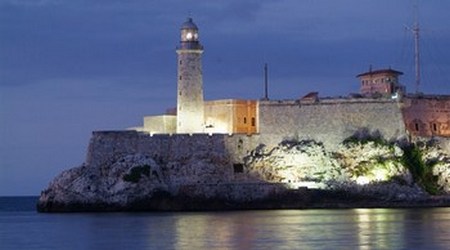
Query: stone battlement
{"points": [[327, 100]]}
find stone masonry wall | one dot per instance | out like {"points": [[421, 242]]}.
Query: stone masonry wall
{"points": [[329, 121], [214, 154], [427, 116]]}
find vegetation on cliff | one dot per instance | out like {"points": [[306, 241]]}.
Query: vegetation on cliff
{"points": [[369, 158], [430, 165], [411, 156]]}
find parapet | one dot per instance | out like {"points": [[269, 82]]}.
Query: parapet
{"points": [[325, 101]]}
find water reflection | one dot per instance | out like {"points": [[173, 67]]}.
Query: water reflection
{"points": [[285, 229], [315, 229], [214, 230], [380, 228], [277, 229]]}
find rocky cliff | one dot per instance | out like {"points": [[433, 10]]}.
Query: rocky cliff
{"points": [[191, 173]]}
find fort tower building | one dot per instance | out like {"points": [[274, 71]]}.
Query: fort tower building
{"points": [[382, 82], [190, 104]]}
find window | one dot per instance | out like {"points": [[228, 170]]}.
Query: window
{"points": [[181, 62], [245, 120], [238, 168], [181, 77], [416, 125], [253, 121], [434, 127]]}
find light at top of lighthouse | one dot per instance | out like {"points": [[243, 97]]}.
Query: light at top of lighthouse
{"points": [[189, 36], [189, 31]]}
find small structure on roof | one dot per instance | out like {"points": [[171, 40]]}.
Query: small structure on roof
{"points": [[383, 82]]}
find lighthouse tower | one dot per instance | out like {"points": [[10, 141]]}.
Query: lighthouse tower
{"points": [[190, 118]]}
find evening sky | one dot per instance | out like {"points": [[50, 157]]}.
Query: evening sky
{"points": [[70, 67]]}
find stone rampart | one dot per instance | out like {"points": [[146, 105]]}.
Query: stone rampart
{"points": [[427, 116], [214, 155], [329, 120], [107, 144], [190, 159]]}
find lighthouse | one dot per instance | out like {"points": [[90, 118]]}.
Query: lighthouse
{"points": [[190, 104]]}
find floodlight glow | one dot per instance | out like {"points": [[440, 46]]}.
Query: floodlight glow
{"points": [[362, 180]]}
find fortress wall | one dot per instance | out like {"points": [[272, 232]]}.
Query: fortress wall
{"points": [[239, 146], [160, 124], [202, 158], [188, 159], [329, 121], [427, 116], [110, 143], [105, 146]]}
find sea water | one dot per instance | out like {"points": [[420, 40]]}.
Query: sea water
{"points": [[21, 227]]}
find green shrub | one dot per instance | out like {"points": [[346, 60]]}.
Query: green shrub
{"points": [[365, 138], [421, 171]]}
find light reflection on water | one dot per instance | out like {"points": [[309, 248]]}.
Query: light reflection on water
{"points": [[317, 229], [276, 229]]}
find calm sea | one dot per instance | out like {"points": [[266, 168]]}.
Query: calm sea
{"points": [[22, 228]]}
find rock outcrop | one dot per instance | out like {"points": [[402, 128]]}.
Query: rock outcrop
{"points": [[291, 174]]}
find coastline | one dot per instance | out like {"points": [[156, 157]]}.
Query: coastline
{"points": [[314, 199]]}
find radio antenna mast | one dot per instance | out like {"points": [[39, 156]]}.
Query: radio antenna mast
{"points": [[416, 32]]}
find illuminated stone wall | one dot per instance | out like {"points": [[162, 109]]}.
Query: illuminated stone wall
{"points": [[231, 116], [160, 124], [219, 116], [206, 159], [427, 116], [190, 159], [330, 120]]}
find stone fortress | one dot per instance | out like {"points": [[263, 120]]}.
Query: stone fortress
{"points": [[381, 105], [243, 150]]}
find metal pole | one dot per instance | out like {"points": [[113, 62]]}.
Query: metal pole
{"points": [[417, 54], [266, 84]]}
